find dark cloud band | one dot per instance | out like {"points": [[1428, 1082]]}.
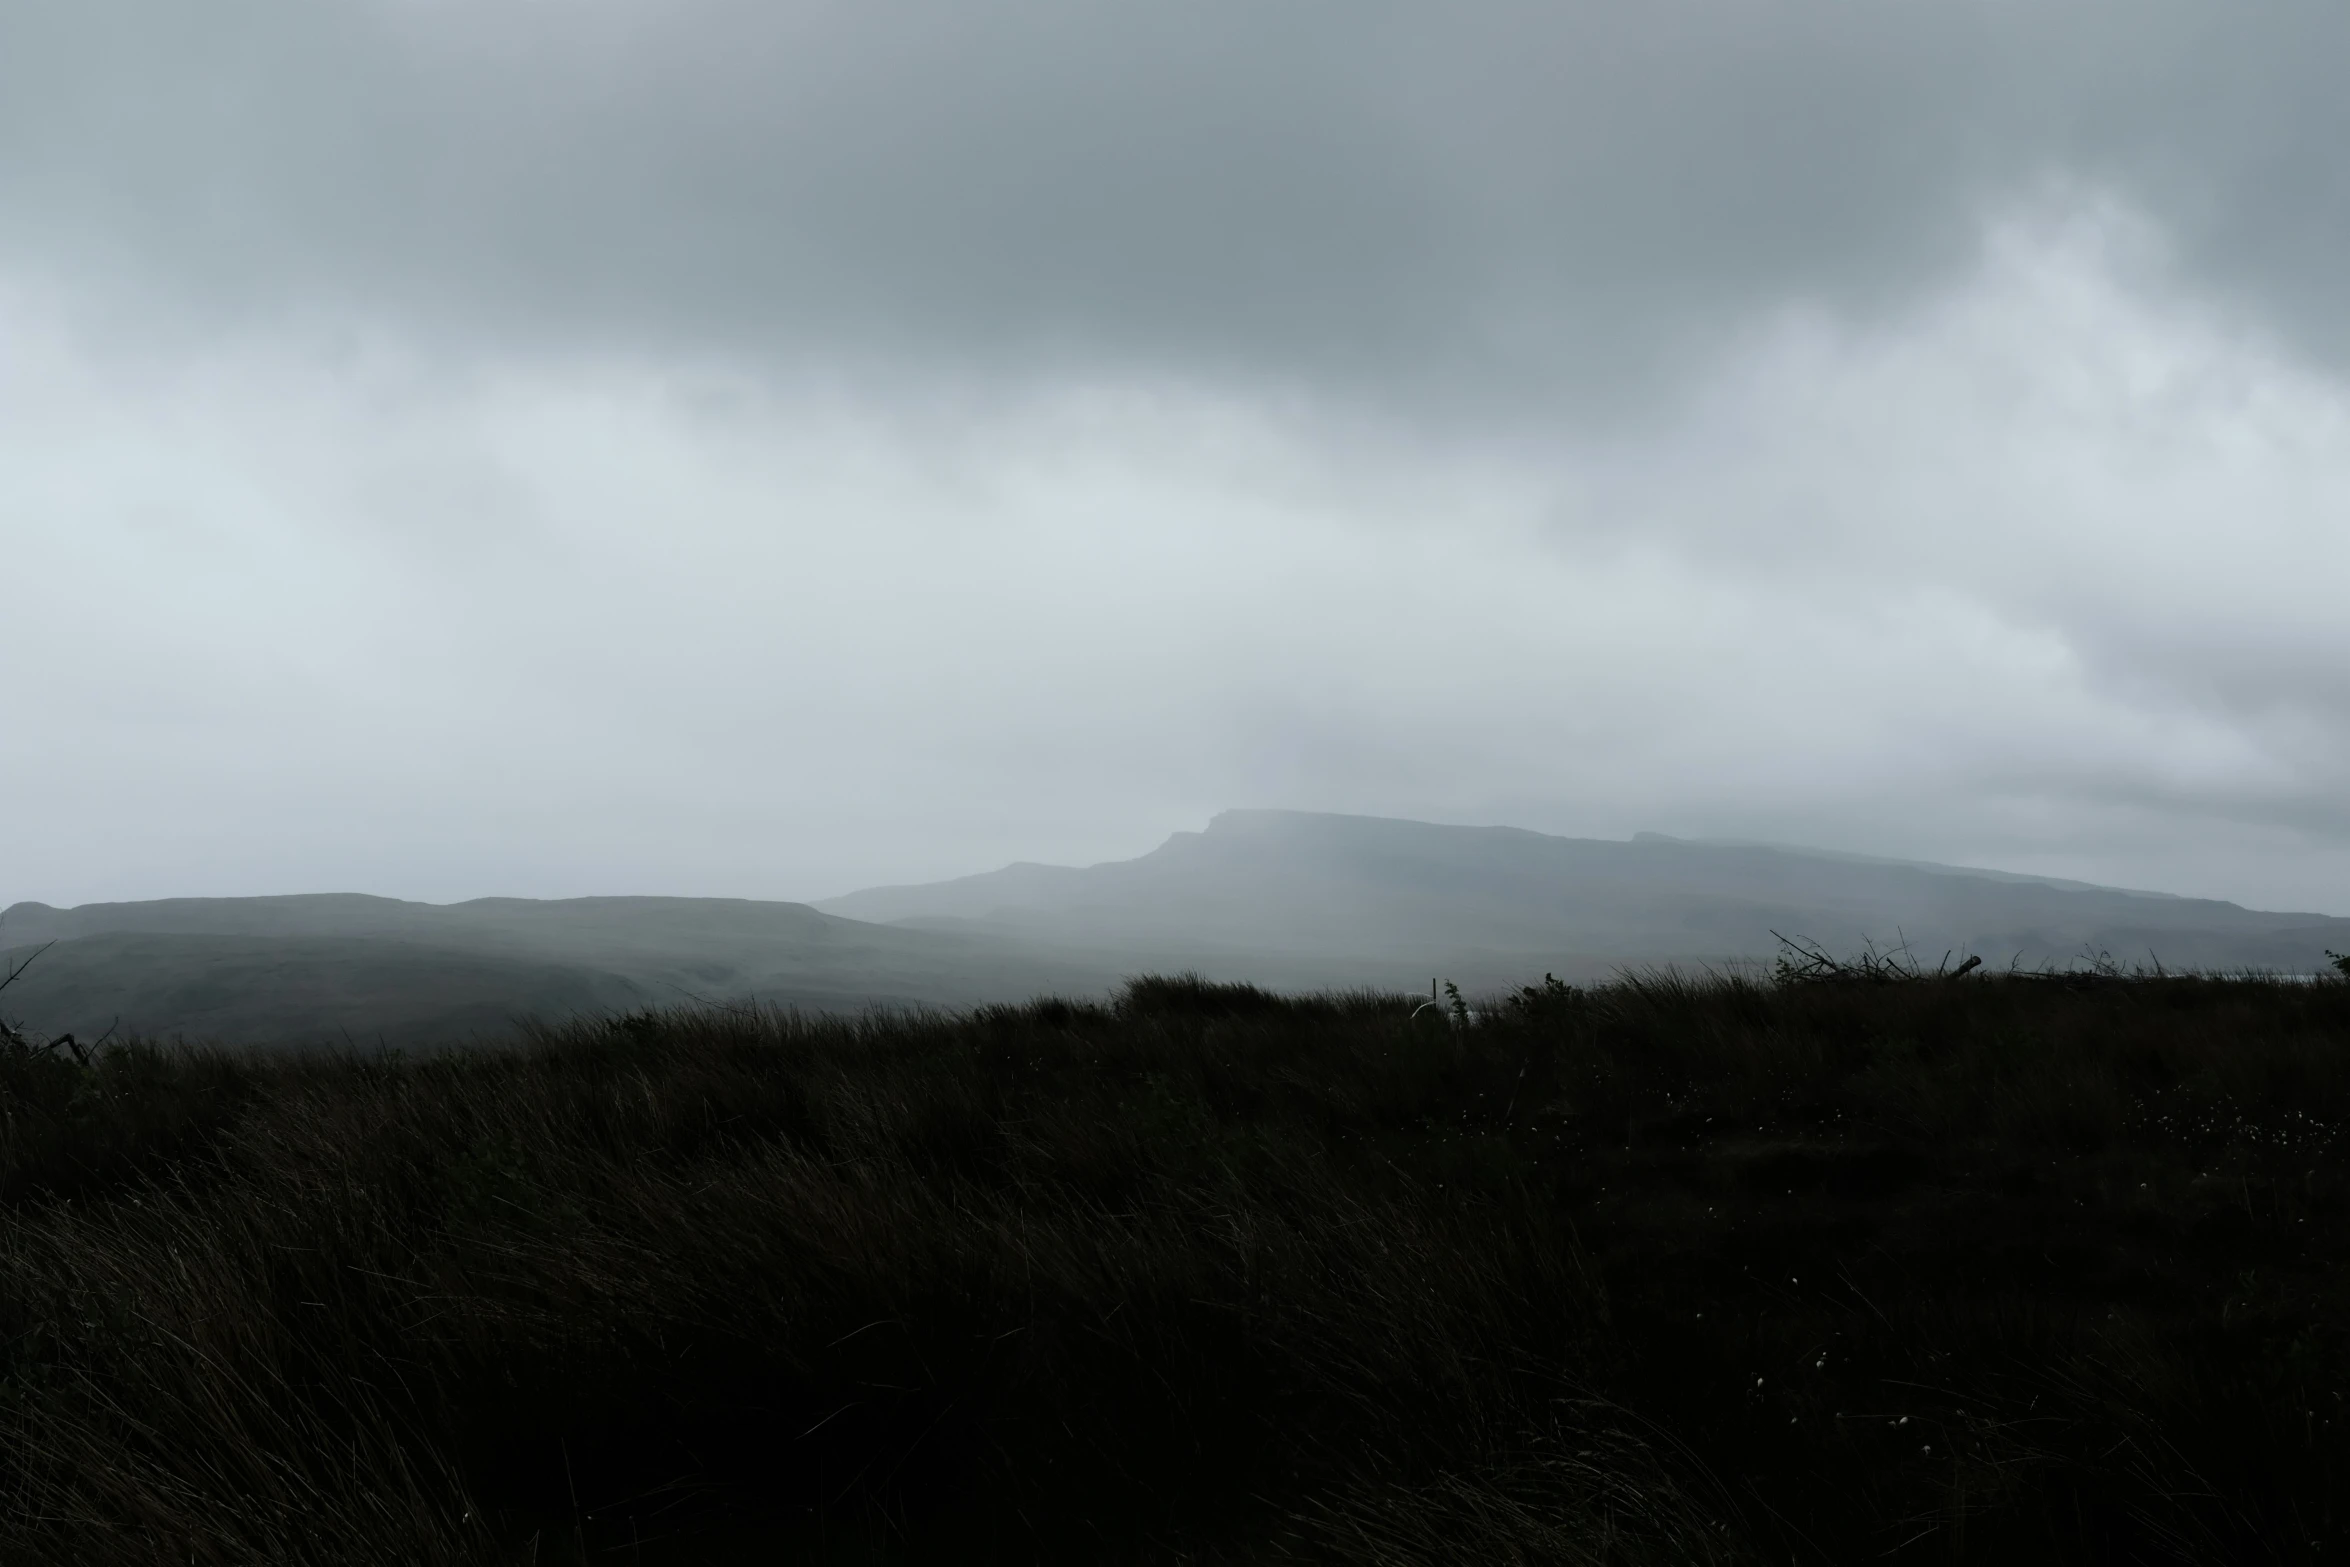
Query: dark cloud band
{"points": [[1485, 201]]}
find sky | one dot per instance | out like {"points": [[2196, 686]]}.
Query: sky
{"points": [[768, 447]]}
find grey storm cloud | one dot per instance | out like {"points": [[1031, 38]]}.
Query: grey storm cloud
{"points": [[531, 446], [1484, 200]]}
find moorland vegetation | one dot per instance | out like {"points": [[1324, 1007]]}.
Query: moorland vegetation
{"points": [[1844, 1263]]}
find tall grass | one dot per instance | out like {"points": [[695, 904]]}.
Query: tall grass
{"points": [[1674, 1270]]}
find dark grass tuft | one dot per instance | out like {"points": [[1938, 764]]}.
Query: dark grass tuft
{"points": [[1672, 1270], [1188, 995]]}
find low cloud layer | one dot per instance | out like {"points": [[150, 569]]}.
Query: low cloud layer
{"points": [[768, 450]]}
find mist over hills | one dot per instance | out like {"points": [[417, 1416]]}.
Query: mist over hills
{"points": [[1282, 895], [1285, 898]]}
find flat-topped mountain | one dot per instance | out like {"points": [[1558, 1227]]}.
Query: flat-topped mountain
{"points": [[1290, 891]]}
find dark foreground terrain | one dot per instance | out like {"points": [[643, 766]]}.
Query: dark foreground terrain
{"points": [[1983, 1269]]}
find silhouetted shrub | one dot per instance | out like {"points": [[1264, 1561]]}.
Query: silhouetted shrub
{"points": [[1189, 995]]}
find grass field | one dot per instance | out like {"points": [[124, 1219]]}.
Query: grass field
{"points": [[1688, 1271]]}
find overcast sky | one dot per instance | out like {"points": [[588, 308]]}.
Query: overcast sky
{"points": [[766, 448]]}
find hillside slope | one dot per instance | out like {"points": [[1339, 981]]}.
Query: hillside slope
{"points": [[278, 990], [338, 966]]}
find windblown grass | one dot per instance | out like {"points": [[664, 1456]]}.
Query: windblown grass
{"points": [[1677, 1270]]}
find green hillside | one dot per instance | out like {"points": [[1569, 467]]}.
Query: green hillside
{"points": [[378, 970]]}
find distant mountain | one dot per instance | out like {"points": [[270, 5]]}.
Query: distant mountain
{"points": [[1284, 898], [377, 970], [1301, 897]]}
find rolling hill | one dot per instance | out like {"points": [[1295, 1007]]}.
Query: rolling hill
{"points": [[337, 967]]}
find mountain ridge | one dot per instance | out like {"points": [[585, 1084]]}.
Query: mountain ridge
{"points": [[1487, 897], [1290, 899]]}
